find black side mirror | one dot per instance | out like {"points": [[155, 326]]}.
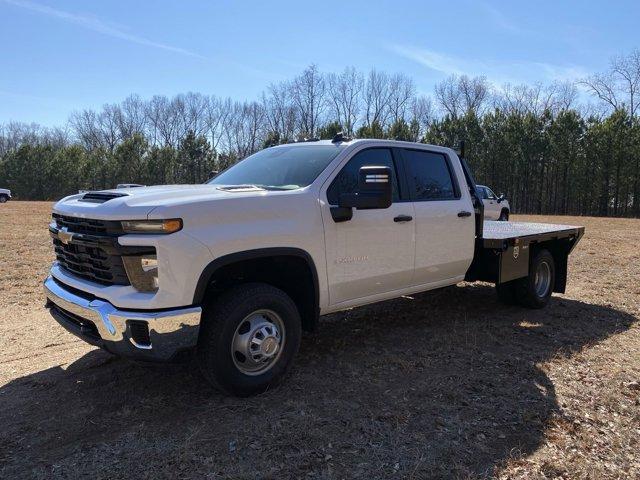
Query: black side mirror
{"points": [[500, 197], [374, 191]]}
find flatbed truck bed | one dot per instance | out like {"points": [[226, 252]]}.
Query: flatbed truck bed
{"points": [[503, 250]]}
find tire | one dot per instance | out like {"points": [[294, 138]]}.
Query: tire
{"points": [[534, 291], [233, 324], [506, 293], [504, 215], [3, 199]]}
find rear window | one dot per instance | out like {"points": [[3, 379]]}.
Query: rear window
{"points": [[429, 176]]}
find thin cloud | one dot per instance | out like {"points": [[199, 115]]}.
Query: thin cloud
{"points": [[501, 20], [96, 25], [498, 72]]}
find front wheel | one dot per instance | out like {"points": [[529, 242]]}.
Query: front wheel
{"points": [[504, 215], [248, 339], [3, 199]]}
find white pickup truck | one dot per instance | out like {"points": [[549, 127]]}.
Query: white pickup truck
{"points": [[238, 267]]}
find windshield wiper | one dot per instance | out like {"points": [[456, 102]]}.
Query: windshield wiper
{"points": [[258, 187]]}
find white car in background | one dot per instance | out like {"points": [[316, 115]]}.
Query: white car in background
{"points": [[495, 207], [5, 195]]}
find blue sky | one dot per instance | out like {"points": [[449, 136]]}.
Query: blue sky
{"points": [[57, 57]]}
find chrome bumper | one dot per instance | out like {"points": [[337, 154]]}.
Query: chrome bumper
{"points": [[118, 331]]}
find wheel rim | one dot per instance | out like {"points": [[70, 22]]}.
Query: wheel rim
{"points": [[258, 342], [543, 279]]}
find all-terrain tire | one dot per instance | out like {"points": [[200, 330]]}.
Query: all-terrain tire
{"points": [[534, 291], [227, 315]]}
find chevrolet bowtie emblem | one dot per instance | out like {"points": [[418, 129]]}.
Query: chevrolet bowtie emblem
{"points": [[65, 236]]}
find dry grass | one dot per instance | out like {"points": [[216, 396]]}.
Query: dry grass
{"points": [[444, 384]]}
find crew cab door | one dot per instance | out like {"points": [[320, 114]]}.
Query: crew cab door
{"points": [[373, 252], [444, 217]]}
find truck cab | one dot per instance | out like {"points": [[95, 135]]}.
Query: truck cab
{"points": [[237, 268]]}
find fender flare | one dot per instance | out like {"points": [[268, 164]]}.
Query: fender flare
{"points": [[216, 264]]}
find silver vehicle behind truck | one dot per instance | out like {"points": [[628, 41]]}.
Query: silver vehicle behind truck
{"points": [[5, 195]]}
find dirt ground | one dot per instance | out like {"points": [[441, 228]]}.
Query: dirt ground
{"points": [[447, 384]]}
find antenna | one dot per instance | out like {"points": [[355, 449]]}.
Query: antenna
{"points": [[340, 137], [462, 149]]}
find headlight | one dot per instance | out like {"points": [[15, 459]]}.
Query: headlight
{"points": [[142, 271], [152, 226]]}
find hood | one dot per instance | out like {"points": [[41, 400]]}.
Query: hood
{"points": [[137, 203]]}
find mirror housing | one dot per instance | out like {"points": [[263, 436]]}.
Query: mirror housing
{"points": [[374, 190], [500, 197]]}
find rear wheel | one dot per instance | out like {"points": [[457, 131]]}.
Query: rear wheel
{"points": [[535, 290], [504, 215], [248, 339]]}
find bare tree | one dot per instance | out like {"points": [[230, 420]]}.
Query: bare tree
{"points": [[448, 96], [344, 93], [402, 92], [280, 112], [377, 95], [620, 86], [422, 112], [309, 97], [132, 118], [460, 95], [217, 117]]}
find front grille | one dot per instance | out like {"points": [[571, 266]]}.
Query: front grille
{"points": [[88, 226], [91, 262], [93, 252]]}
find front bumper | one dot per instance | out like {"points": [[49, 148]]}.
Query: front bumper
{"points": [[143, 335]]}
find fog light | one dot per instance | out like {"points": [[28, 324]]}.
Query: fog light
{"points": [[142, 271]]}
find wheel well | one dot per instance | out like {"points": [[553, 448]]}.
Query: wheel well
{"points": [[293, 274], [559, 249]]}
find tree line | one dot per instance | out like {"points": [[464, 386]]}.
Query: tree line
{"points": [[548, 152]]}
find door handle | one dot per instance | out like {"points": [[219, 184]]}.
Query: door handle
{"points": [[403, 218], [464, 214]]}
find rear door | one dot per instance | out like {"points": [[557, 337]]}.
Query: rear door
{"points": [[372, 253], [444, 217]]}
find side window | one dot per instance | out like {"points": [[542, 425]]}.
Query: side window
{"points": [[490, 194], [429, 176], [347, 180], [483, 192]]}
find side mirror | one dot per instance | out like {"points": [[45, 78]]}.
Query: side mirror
{"points": [[374, 192], [500, 197]]}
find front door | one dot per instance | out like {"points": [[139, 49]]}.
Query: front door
{"points": [[372, 253]]}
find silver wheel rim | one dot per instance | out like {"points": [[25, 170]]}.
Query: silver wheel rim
{"points": [[258, 342], [543, 279]]}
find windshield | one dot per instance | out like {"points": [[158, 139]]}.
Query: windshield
{"points": [[280, 168]]}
